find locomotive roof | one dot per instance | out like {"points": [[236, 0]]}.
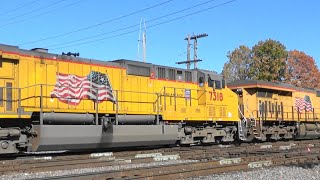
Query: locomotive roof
{"points": [[42, 53], [126, 61], [268, 85], [46, 55]]}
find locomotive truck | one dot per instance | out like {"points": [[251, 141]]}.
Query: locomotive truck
{"points": [[60, 102]]}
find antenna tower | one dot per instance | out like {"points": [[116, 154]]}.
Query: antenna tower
{"points": [[143, 42], [139, 40]]}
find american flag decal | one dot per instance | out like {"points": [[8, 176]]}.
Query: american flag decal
{"points": [[303, 104], [71, 89]]}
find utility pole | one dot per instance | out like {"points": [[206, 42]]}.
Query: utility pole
{"points": [[188, 52], [195, 55]]}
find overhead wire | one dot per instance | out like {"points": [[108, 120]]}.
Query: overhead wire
{"points": [[19, 7], [152, 26], [41, 14], [134, 25], [99, 24], [32, 11]]}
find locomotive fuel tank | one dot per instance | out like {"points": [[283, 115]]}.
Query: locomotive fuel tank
{"points": [[12, 132], [136, 119], [308, 130], [68, 118]]}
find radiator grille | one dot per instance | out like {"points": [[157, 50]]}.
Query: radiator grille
{"points": [[212, 111], [223, 112]]}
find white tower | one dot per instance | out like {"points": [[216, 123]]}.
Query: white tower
{"points": [[143, 41]]}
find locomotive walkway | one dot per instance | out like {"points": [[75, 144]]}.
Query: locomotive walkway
{"points": [[184, 161]]}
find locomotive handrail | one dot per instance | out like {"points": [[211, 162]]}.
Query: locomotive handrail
{"points": [[176, 88], [22, 97], [38, 96], [174, 95], [204, 91], [42, 94]]}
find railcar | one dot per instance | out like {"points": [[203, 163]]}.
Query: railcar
{"points": [[59, 102], [274, 111]]}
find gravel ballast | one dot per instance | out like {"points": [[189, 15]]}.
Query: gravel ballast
{"points": [[21, 176], [275, 173]]}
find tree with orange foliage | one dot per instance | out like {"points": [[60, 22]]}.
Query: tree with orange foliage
{"points": [[302, 70]]}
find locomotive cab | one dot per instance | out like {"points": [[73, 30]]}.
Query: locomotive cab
{"points": [[216, 96], [12, 118], [211, 82]]}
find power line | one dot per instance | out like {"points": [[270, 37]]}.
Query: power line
{"points": [[134, 25], [32, 11], [152, 26], [98, 24], [19, 7], [41, 14]]}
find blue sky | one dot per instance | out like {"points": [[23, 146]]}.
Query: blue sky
{"points": [[295, 23]]}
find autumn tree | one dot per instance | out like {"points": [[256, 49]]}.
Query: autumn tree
{"points": [[302, 70], [237, 68], [269, 59]]}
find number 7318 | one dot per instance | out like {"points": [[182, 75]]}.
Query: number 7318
{"points": [[216, 96]]}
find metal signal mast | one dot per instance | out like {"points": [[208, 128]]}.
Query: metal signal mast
{"points": [[195, 47]]}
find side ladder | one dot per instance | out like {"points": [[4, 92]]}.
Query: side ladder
{"points": [[255, 124], [241, 134]]}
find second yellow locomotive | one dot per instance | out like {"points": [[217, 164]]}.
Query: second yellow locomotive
{"points": [[274, 110]]}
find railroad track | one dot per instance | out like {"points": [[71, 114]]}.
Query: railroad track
{"points": [[220, 157], [192, 169]]}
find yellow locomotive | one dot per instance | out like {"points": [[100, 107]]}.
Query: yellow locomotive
{"points": [[273, 110], [60, 102]]}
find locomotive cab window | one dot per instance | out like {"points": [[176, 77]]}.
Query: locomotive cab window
{"points": [[217, 84], [201, 81], [223, 83], [214, 81], [210, 82]]}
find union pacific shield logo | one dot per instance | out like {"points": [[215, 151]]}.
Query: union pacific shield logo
{"points": [[71, 89]]}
